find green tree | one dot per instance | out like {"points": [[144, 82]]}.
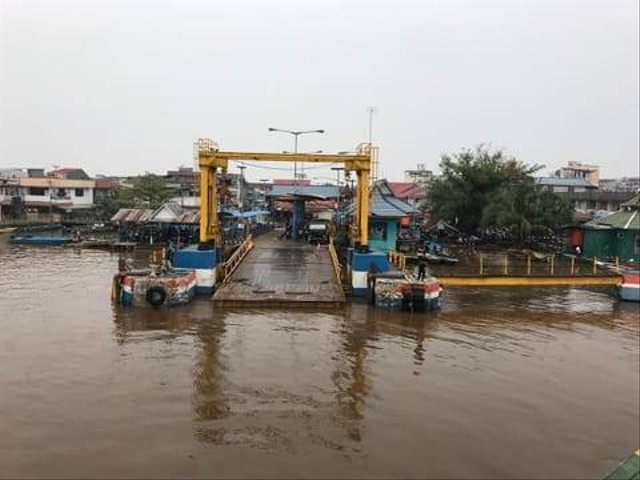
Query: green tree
{"points": [[471, 180], [148, 191], [524, 211]]}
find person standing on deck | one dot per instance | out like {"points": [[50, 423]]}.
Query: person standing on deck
{"points": [[422, 266]]}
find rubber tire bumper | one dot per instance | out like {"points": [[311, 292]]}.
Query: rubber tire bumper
{"points": [[156, 296]]}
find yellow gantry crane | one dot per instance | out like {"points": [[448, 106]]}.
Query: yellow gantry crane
{"points": [[212, 162]]}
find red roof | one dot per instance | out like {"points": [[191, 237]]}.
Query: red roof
{"points": [[106, 184], [289, 181], [407, 190]]}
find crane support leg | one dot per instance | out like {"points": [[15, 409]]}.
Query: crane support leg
{"points": [[363, 207], [209, 229]]}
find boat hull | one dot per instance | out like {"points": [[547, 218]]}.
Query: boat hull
{"points": [[629, 290], [441, 259], [167, 291], [403, 294], [40, 240]]}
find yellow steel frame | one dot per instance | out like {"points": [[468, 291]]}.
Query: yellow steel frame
{"points": [[211, 161]]}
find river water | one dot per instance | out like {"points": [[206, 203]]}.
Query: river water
{"points": [[503, 383]]}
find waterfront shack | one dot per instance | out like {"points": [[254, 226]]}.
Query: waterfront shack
{"points": [[615, 235], [386, 217]]}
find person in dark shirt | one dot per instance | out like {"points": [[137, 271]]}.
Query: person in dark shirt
{"points": [[422, 265]]}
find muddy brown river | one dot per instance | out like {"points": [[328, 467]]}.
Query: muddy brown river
{"points": [[502, 383]]}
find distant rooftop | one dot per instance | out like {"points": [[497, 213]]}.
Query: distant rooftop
{"points": [[289, 181], [385, 204], [563, 182], [317, 191], [407, 190]]}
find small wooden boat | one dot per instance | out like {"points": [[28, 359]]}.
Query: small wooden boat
{"points": [[93, 243], [40, 240], [154, 287], [446, 259], [124, 245]]}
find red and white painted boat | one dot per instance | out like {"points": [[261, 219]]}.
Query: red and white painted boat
{"points": [[166, 288], [630, 287]]}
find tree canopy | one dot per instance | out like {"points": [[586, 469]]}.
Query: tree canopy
{"points": [[148, 191], [483, 189]]}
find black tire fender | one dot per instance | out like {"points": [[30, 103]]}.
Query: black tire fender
{"points": [[156, 295]]}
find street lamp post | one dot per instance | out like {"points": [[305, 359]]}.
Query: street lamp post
{"points": [[296, 134], [240, 192]]}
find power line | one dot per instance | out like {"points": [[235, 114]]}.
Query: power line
{"points": [[326, 165]]}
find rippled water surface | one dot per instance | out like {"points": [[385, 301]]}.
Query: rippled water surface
{"points": [[505, 383]]}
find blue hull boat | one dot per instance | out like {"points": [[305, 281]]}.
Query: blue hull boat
{"points": [[39, 240]]}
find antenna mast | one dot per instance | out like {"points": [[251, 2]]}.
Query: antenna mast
{"points": [[374, 150]]}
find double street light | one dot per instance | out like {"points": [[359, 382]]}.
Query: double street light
{"points": [[296, 134]]}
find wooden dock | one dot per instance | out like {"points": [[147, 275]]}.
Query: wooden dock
{"points": [[502, 271], [280, 272]]}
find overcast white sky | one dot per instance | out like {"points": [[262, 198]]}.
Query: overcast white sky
{"points": [[124, 87]]}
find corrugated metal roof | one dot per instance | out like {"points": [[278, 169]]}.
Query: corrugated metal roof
{"points": [[633, 202], [597, 195], [563, 182], [623, 220], [132, 215], [166, 213], [316, 191], [407, 190], [385, 204], [146, 215], [189, 217], [312, 206], [290, 181]]}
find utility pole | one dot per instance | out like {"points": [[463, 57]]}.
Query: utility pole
{"points": [[337, 170], [240, 190], [371, 111]]}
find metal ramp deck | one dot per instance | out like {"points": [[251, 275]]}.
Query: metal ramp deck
{"points": [[279, 272]]}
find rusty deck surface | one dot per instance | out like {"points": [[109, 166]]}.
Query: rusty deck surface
{"points": [[282, 272]]}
